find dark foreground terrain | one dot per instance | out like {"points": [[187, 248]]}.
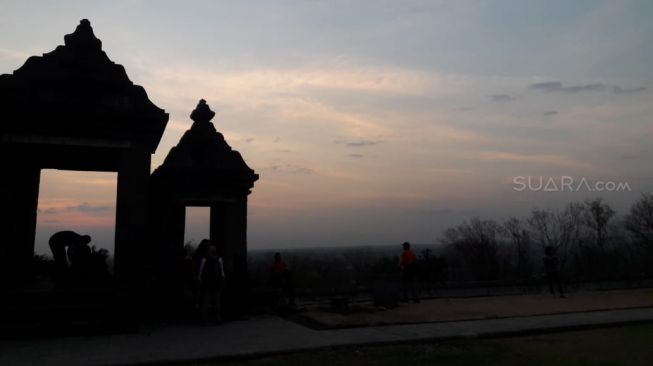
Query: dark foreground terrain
{"points": [[628, 345]]}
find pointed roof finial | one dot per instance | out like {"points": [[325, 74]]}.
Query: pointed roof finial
{"points": [[83, 37], [202, 112]]}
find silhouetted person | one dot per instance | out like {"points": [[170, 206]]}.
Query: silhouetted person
{"points": [[281, 278], [73, 260], [196, 259], [551, 267], [212, 282], [408, 263]]}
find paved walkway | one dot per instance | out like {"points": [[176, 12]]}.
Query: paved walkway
{"points": [[269, 334]]}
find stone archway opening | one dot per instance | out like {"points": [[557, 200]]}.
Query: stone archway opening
{"points": [[198, 224], [81, 201]]}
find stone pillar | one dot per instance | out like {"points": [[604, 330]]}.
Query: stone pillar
{"points": [[229, 231], [238, 235], [19, 192], [238, 239], [175, 226], [218, 231], [131, 215]]}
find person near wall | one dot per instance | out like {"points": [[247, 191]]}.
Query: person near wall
{"points": [[211, 278]]}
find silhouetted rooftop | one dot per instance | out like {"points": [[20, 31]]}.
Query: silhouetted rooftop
{"points": [[77, 92], [203, 156]]}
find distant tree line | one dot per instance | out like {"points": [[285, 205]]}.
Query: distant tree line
{"points": [[591, 241]]}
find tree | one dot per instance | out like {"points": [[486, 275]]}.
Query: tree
{"points": [[597, 216], [477, 242], [560, 229], [517, 234], [639, 220]]}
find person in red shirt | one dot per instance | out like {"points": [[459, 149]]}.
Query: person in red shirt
{"points": [[281, 278], [408, 263]]}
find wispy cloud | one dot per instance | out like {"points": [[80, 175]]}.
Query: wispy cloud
{"points": [[290, 169], [502, 97], [83, 207], [66, 214], [628, 157], [541, 159], [440, 212], [559, 87], [15, 55], [620, 90], [361, 142]]}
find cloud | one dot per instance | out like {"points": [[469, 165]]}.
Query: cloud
{"points": [[550, 113], [363, 143], [440, 212], [84, 207], [619, 90], [7, 54], [628, 157], [291, 169], [539, 159], [559, 87], [502, 97], [357, 143]]}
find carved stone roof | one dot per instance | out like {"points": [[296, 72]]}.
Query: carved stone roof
{"points": [[202, 161], [76, 91]]}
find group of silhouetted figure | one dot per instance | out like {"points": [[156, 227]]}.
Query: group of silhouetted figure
{"points": [[78, 264], [408, 266], [207, 270]]}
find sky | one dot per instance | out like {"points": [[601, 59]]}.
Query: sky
{"points": [[373, 122]]}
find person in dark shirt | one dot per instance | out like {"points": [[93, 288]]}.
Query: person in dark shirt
{"points": [[212, 280]]}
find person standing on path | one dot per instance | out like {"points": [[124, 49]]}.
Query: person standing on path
{"points": [[212, 282], [551, 267], [408, 262]]}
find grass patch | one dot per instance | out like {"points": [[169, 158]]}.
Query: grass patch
{"points": [[629, 345]]}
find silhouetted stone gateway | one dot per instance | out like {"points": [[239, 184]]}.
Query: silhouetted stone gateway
{"points": [[75, 109], [203, 170]]}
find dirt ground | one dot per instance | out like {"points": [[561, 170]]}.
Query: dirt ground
{"points": [[455, 309]]}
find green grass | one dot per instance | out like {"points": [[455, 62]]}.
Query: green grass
{"points": [[630, 345]]}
